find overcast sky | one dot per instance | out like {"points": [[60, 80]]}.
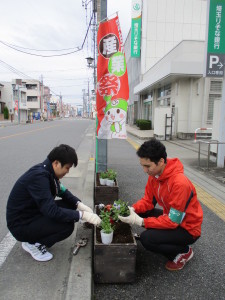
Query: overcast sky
{"points": [[51, 25]]}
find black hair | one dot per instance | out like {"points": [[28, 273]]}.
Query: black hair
{"points": [[153, 150], [64, 154]]}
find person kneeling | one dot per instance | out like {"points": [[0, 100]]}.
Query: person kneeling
{"points": [[171, 230], [33, 215]]}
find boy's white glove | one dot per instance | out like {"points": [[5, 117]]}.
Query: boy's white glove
{"points": [[83, 207], [91, 218], [133, 218]]}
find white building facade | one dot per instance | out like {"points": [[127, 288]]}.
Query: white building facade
{"points": [[167, 79]]}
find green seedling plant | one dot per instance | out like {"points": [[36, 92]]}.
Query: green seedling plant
{"points": [[106, 223], [119, 208], [111, 174], [103, 175]]}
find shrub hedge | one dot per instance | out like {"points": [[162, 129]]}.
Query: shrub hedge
{"points": [[144, 124]]}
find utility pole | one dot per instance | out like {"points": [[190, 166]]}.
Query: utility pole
{"points": [[18, 104], [101, 144]]}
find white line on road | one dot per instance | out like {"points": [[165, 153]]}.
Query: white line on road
{"points": [[6, 246]]}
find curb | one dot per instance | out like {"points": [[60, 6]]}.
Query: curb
{"points": [[80, 282]]}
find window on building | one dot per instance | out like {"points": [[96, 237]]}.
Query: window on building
{"points": [[214, 93], [163, 95], [32, 99], [31, 86]]}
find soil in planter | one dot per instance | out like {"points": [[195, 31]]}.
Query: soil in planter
{"points": [[122, 233]]}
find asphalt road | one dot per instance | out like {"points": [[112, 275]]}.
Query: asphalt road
{"points": [[22, 146]]}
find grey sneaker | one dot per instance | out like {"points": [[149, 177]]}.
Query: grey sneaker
{"points": [[37, 251]]}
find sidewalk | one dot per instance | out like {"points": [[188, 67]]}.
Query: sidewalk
{"points": [[7, 123], [217, 174]]}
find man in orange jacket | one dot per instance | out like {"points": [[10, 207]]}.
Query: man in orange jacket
{"points": [[172, 230]]}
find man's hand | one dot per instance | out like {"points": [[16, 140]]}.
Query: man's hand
{"points": [[133, 218], [83, 207], [91, 218]]}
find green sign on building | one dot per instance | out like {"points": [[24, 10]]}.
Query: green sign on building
{"points": [[136, 28], [216, 39]]}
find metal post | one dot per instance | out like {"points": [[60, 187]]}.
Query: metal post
{"points": [[101, 144], [199, 148], [208, 155], [221, 147], [18, 105]]}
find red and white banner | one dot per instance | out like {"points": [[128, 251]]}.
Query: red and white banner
{"points": [[112, 86]]}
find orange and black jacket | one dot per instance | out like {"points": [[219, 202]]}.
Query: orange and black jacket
{"points": [[172, 189]]}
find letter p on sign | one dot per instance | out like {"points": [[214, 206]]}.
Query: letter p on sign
{"points": [[213, 60]]}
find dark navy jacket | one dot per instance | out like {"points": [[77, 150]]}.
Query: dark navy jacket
{"points": [[34, 194]]}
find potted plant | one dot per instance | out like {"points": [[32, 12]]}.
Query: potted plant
{"points": [[115, 262], [106, 226], [111, 177], [103, 178], [106, 187]]}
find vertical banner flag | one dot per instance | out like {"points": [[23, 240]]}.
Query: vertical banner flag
{"points": [[136, 28], [216, 39], [112, 86]]}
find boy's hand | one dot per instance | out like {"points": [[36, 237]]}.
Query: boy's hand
{"points": [[83, 207]]}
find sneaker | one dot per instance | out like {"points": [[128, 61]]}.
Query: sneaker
{"points": [[137, 236], [37, 251], [179, 261]]}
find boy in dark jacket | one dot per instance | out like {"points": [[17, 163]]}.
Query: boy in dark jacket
{"points": [[34, 217]]}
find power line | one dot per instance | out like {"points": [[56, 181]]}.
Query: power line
{"points": [[38, 50], [68, 53]]}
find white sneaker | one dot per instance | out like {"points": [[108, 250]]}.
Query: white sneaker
{"points": [[37, 251]]}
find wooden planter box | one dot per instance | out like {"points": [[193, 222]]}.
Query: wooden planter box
{"points": [[115, 263], [105, 194]]}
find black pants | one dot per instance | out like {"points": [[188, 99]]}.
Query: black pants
{"points": [[44, 230], [169, 242]]}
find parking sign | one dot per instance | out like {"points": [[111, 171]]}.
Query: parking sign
{"points": [[216, 41]]}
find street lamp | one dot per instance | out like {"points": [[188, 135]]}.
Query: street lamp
{"points": [[90, 61]]}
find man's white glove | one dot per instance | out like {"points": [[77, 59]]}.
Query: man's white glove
{"points": [[133, 218], [83, 207], [91, 218]]}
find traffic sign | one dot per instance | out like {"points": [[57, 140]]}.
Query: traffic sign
{"points": [[215, 65]]}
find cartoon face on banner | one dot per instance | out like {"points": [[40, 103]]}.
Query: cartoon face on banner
{"points": [[112, 87]]}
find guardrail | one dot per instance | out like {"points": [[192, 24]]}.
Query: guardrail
{"points": [[201, 136], [209, 143]]}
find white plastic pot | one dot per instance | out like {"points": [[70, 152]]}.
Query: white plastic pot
{"points": [[110, 182], [103, 181], [106, 237]]}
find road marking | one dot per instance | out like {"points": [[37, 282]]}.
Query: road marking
{"points": [[133, 143], [212, 203], [6, 246], [22, 133]]}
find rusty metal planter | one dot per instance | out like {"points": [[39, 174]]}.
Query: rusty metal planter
{"points": [[105, 194]]}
